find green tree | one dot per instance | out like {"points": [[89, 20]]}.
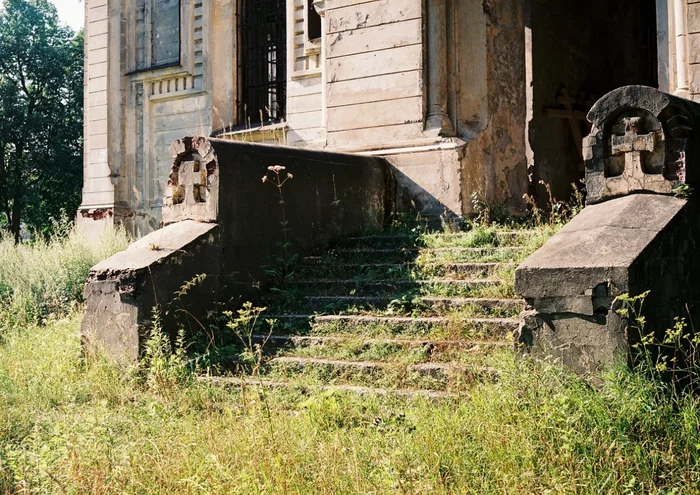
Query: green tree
{"points": [[41, 119]]}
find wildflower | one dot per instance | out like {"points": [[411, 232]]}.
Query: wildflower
{"points": [[290, 176], [264, 179], [276, 168]]}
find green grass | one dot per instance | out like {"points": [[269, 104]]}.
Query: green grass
{"points": [[40, 279], [76, 424], [70, 425]]}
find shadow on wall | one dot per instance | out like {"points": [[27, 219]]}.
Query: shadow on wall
{"points": [[412, 198]]}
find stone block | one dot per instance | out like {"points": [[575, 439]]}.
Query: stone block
{"points": [[629, 245], [122, 291], [583, 343]]}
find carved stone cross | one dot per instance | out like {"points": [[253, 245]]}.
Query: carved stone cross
{"points": [[193, 177], [632, 144]]}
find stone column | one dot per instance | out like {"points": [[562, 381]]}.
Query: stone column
{"points": [[680, 25], [437, 120], [320, 6]]}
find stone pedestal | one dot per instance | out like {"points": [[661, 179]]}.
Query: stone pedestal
{"points": [[634, 236]]}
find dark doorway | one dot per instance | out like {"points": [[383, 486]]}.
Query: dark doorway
{"points": [[263, 61], [581, 49]]}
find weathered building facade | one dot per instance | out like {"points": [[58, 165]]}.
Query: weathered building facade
{"points": [[461, 96]]}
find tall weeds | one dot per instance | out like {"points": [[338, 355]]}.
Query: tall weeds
{"points": [[44, 278]]}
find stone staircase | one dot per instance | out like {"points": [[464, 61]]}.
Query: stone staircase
{"points": [[409, 314]]}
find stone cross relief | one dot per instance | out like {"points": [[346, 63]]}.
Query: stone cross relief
{"points": [[633, 145], [192, 178]]}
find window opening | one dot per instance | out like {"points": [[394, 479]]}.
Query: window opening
{"points": [[313, 21], [157, 34], [263, 61]]}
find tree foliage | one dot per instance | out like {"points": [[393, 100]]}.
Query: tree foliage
{"points": [[41, 119]]}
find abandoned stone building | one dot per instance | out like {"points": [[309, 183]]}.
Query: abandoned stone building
{"points": [[460, 96]]}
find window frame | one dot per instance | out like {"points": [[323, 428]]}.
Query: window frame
{"points": [[148, 33], [311, 45]]}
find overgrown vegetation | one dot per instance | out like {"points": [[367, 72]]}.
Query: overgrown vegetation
{"points": [[70, 425], [44, 279]]}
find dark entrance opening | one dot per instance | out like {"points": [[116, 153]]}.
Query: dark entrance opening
{"points": [[581, 49], [263, 61]]}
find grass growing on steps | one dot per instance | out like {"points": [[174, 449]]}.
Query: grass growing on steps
{"points": [[73, 425]]}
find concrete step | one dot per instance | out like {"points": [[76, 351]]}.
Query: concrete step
{"points": [[404, 238], [380, 240], [466, 328], [374, 251], [435, 304], [406, 254], [435, 376], [466, 269], [403, 268], [276, 342], [340, 286], [252, 382], [489, 304]]}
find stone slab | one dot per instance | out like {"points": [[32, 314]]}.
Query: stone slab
{"points": [[122, 291], [155, 247], [597, 246]]}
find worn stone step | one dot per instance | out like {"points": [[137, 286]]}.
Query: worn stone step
{"points": [[484, 302], [372, 251], [353, 347], [338, 286], [436, 376], [380, 240], [436, 304], [231, 381], [459, 255], [466, 269], [465, 328], [391, 269], [402, 238], [480, 249], [485, 254], [403, 270], [276, 342]]}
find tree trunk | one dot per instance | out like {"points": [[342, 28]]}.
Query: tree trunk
{"points": [[16, 224], [16, 220]]}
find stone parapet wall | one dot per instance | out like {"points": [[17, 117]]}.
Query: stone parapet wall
{"points": [[227, 223]]}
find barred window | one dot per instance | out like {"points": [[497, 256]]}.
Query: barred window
{"points": [[263, 61]]}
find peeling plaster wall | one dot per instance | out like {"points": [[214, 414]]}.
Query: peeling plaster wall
{"points": [[375, 73], [494, 164]]}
